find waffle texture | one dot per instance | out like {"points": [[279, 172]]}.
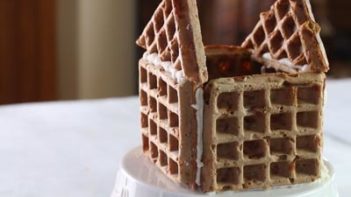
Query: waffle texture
{"points": [[262, 131], [174, 34], [288, 34], [228, 123], [167, 123]]}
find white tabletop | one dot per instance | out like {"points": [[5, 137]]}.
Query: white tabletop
{"points": [[74, 148]]}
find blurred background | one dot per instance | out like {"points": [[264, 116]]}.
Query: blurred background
{"points": [[82, 49]]}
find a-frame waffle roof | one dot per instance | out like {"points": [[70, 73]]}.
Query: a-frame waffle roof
{"points": [[289, 35], [174, 34]]}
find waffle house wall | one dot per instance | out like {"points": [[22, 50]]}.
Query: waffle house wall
{"points": [[262, 131], [168, 123]]}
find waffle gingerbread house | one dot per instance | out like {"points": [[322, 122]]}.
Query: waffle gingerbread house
{"points": [[221, 118]]}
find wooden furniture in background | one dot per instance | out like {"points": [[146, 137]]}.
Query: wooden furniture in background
{"points": [[340, 14], [27, 51]]}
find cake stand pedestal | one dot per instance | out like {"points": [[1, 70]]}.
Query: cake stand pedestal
{"points": [[138, 177]]}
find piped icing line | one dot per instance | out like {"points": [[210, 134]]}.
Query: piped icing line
{"points": [[154, 58], [291, 67], [199, 106]]}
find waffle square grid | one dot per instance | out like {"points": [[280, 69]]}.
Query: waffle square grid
{"points": [[161, 36], [160, 119], [174, 34], [168, 122], [289, 31], [263, 136]]}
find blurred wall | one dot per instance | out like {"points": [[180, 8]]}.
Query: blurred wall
{"points": [[96, 48], [67, 42]]}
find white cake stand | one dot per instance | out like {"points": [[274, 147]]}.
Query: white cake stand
{"points": [[138, 177]]}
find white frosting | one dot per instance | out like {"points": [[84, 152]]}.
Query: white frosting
{"points": [[267, 56], [291, 67], [153, 58], [199, 106]]}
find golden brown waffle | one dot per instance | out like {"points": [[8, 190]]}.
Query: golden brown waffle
{"points": [[262, 131], [288, 34], [167, 123], [174, 34]]}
